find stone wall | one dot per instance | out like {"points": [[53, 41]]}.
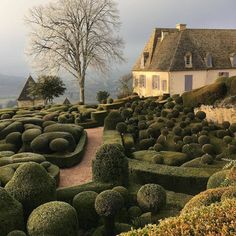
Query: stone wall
{"points": [[30, 103], [218, 114]]}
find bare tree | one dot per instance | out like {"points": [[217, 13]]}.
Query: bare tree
{"points": [[75, 35], [125, 85]]}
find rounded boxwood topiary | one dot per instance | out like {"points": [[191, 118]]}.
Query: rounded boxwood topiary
{"points": [[14, 138], [158, 147], [59, 145], [11, 213], [134, 212], [232, 127], [151, 197], [30, 134], [17, 233], [226, 125], [110, 165], [107, 204], [207, 159], [203, 139], [84, 204], [32, 186], [221, 133], [121, 127], [142, 125], [187, 139], [177, 131], [53, 218], [201, 115], [208, 149], [123, 192], [144, 144], [227, 139], [111, 120]]}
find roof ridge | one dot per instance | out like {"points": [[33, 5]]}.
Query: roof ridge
{"points": [[177, 45]]}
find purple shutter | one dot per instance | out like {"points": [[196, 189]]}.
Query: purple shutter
{"points": [[188, 82]]}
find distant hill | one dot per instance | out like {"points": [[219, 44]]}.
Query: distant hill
{"points": [[10, 86]]}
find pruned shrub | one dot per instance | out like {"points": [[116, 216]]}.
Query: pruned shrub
{"points": [[30, 134], [201, 115], [121, 127], [32, 186], [208, 149], [59, 145], [53, 218], [84, 204], [151, 197], [207, 159], [112, 119], [107, 205], [110, 165], [144, 144], [203, 139], [11, 213]]}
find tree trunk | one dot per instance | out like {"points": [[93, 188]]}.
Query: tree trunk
{"points": [[82, 93]]}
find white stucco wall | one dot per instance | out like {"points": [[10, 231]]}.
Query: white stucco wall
{"points": [[176, 80], [148, 91]]}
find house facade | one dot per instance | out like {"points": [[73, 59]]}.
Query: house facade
{"points": [[179, 59], [25, 100]]}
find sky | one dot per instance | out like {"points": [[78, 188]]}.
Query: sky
{"points": [[138, 18]]}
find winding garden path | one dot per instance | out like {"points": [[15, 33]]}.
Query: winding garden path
{"points": [[82, 172]]}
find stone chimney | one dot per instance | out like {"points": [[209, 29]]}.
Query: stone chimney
{"points": [[181, 27], [164, 33]]}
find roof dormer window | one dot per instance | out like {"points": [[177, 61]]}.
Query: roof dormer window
{"points": [[188, 60], [233, 59], [144, 59], [208, 60]]}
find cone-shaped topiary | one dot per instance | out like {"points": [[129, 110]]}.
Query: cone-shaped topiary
{"points": [[84, 204], [11, 213], [53, 218], [107, 204], [32, 186], [110, 165]]}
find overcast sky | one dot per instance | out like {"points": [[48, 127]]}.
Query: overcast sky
{"points": [[138, 17]]}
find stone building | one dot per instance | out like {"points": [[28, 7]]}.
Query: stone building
{"points": [[179, 59], [25, 100]]}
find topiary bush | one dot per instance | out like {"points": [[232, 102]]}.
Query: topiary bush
{"points": [[17, 233], [151, 197], [84, 204], [32, 186], [110, 165], [121, 127], [29, 135], [123, 192], [203, 139], [107, 205], [14, 138], [11, 213], [59, 145], [201, 115], [112, 119], [207, 159], [53, 218], [208, 149]]}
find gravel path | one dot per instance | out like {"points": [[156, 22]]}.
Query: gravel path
{"points": [[82, 172]]}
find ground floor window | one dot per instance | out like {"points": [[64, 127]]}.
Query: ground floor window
{"points": [[156, 82], [135, 82], [188, 83], [142, 81], [223, 74], [164, 85]]}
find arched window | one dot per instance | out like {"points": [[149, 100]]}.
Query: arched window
{"points": [[233, 59], [188, 60], [208, 60]]}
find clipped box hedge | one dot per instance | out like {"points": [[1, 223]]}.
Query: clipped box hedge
{"points": [[67, 194], [65, 160], [177, 179], [112, 137]]}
